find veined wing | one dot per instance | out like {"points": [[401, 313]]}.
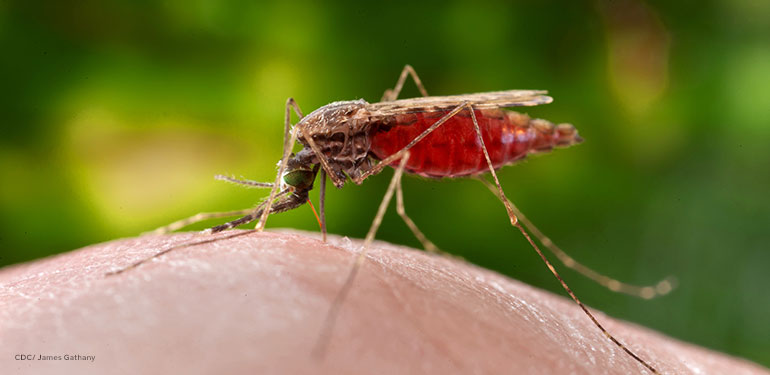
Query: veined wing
{"points": [[484, 100]]}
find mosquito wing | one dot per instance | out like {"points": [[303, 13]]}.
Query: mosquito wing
{"points": [[484, 100]]}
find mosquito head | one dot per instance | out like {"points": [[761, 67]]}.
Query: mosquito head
{"points": [[299, 178]]}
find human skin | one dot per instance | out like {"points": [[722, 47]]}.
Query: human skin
{"points": [[255, 303]]}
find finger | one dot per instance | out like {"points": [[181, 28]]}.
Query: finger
{"points": [[255, 304]]}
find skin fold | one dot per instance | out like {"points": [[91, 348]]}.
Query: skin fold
{"points": [[256, 303]]}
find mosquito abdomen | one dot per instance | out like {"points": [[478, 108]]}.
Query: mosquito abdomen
{"points": [[453, 150]]}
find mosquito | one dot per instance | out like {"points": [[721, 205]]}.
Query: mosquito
{"points": [[430, 136]]}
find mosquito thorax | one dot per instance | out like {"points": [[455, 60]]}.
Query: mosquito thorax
{"points": [[340, 131]]}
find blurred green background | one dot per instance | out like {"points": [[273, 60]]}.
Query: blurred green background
{"points": [[116, 115]]}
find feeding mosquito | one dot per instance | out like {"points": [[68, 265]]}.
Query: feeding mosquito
{"points": [[431, 136]]}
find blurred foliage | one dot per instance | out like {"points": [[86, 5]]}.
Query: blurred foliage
{"points": [[117, 114]]}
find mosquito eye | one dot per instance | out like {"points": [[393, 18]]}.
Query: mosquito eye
{"points": [[301, 179]]}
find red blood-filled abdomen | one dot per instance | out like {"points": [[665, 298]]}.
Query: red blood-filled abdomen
{"points": [[454, 150]]}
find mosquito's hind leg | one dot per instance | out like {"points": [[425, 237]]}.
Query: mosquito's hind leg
{"points": [[198, 218], [392, 94], [661, 288], [426, 243], [331, 316], [515, 222]]}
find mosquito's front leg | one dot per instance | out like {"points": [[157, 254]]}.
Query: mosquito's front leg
{"points": [[391, 95], [287, 146]]}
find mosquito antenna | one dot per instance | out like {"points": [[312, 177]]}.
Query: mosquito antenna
{"points": [[661, 288]]}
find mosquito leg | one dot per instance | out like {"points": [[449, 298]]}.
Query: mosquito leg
{"points": [[426, 243], [661, 288], [198, 218], [383, 206], [515, 222], [322, 204], [287, 146], [391, 95], [287, 124], [334, 309]]}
